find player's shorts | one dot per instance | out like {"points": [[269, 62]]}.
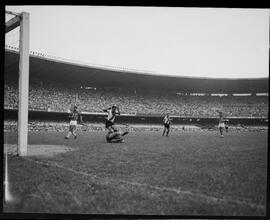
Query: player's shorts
{"points": [[73, 122], [109, 123], [166, 125], [221, 125], [72, 125]]}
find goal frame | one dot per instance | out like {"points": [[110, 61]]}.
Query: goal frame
{"points": [[22, 20]]}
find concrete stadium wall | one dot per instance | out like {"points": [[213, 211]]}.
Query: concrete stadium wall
{"points": [[11, 114]]}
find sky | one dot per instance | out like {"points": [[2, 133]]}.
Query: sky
{"points": [[194, 42]]}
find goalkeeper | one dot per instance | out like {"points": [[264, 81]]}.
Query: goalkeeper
{"points": [[115, 136]]}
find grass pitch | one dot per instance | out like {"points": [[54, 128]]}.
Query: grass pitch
{"points": [[188, 173]]}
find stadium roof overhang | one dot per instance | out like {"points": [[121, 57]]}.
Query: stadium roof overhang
{"points": [[64, 71]]}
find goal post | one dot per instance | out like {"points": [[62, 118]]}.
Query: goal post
{"points": [[23, 85], [22, 20]]}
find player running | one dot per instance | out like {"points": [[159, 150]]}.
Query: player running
{"points": [[74, 116], [221, 124], [167, 121]]}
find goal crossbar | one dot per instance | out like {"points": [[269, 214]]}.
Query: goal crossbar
{"points": [[13, 23]]}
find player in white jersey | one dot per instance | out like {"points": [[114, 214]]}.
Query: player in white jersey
{"points": [[112, 112], [221, 123], [113, 135], [167, 121]]}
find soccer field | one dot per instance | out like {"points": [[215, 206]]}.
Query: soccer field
{"points": [[188, 173]]}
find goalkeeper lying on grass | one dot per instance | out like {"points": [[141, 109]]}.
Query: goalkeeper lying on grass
{"points": [[115, 136]]}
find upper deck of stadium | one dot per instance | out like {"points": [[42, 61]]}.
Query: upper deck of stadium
{"points": [[63, 70]]}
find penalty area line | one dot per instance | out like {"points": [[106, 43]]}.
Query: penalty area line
{"points": [[158, 188]]}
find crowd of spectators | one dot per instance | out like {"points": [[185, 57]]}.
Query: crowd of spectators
{"points": [[61, 97]]}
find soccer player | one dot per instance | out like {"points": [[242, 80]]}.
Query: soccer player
{"points": [[167, 121], [114, 136], [112, 112], [221, 124], [226, 125], [74, 117]]}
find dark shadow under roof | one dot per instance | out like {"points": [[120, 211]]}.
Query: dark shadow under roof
{"points": [[63, 71]]}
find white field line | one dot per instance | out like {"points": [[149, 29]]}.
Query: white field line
{"points": [[167, 189]]}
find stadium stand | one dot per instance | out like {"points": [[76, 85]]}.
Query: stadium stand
{"points": [[60, 97]]}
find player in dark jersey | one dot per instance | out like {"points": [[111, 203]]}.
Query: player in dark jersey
{"points": [[115, 136], [75, 118], [167, 121], [226, 125], [112, 112]]}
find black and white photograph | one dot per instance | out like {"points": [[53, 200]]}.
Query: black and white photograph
{"points": [[133, 110]]}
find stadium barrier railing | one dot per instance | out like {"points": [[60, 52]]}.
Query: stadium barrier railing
{"points": [[12, 114]]}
